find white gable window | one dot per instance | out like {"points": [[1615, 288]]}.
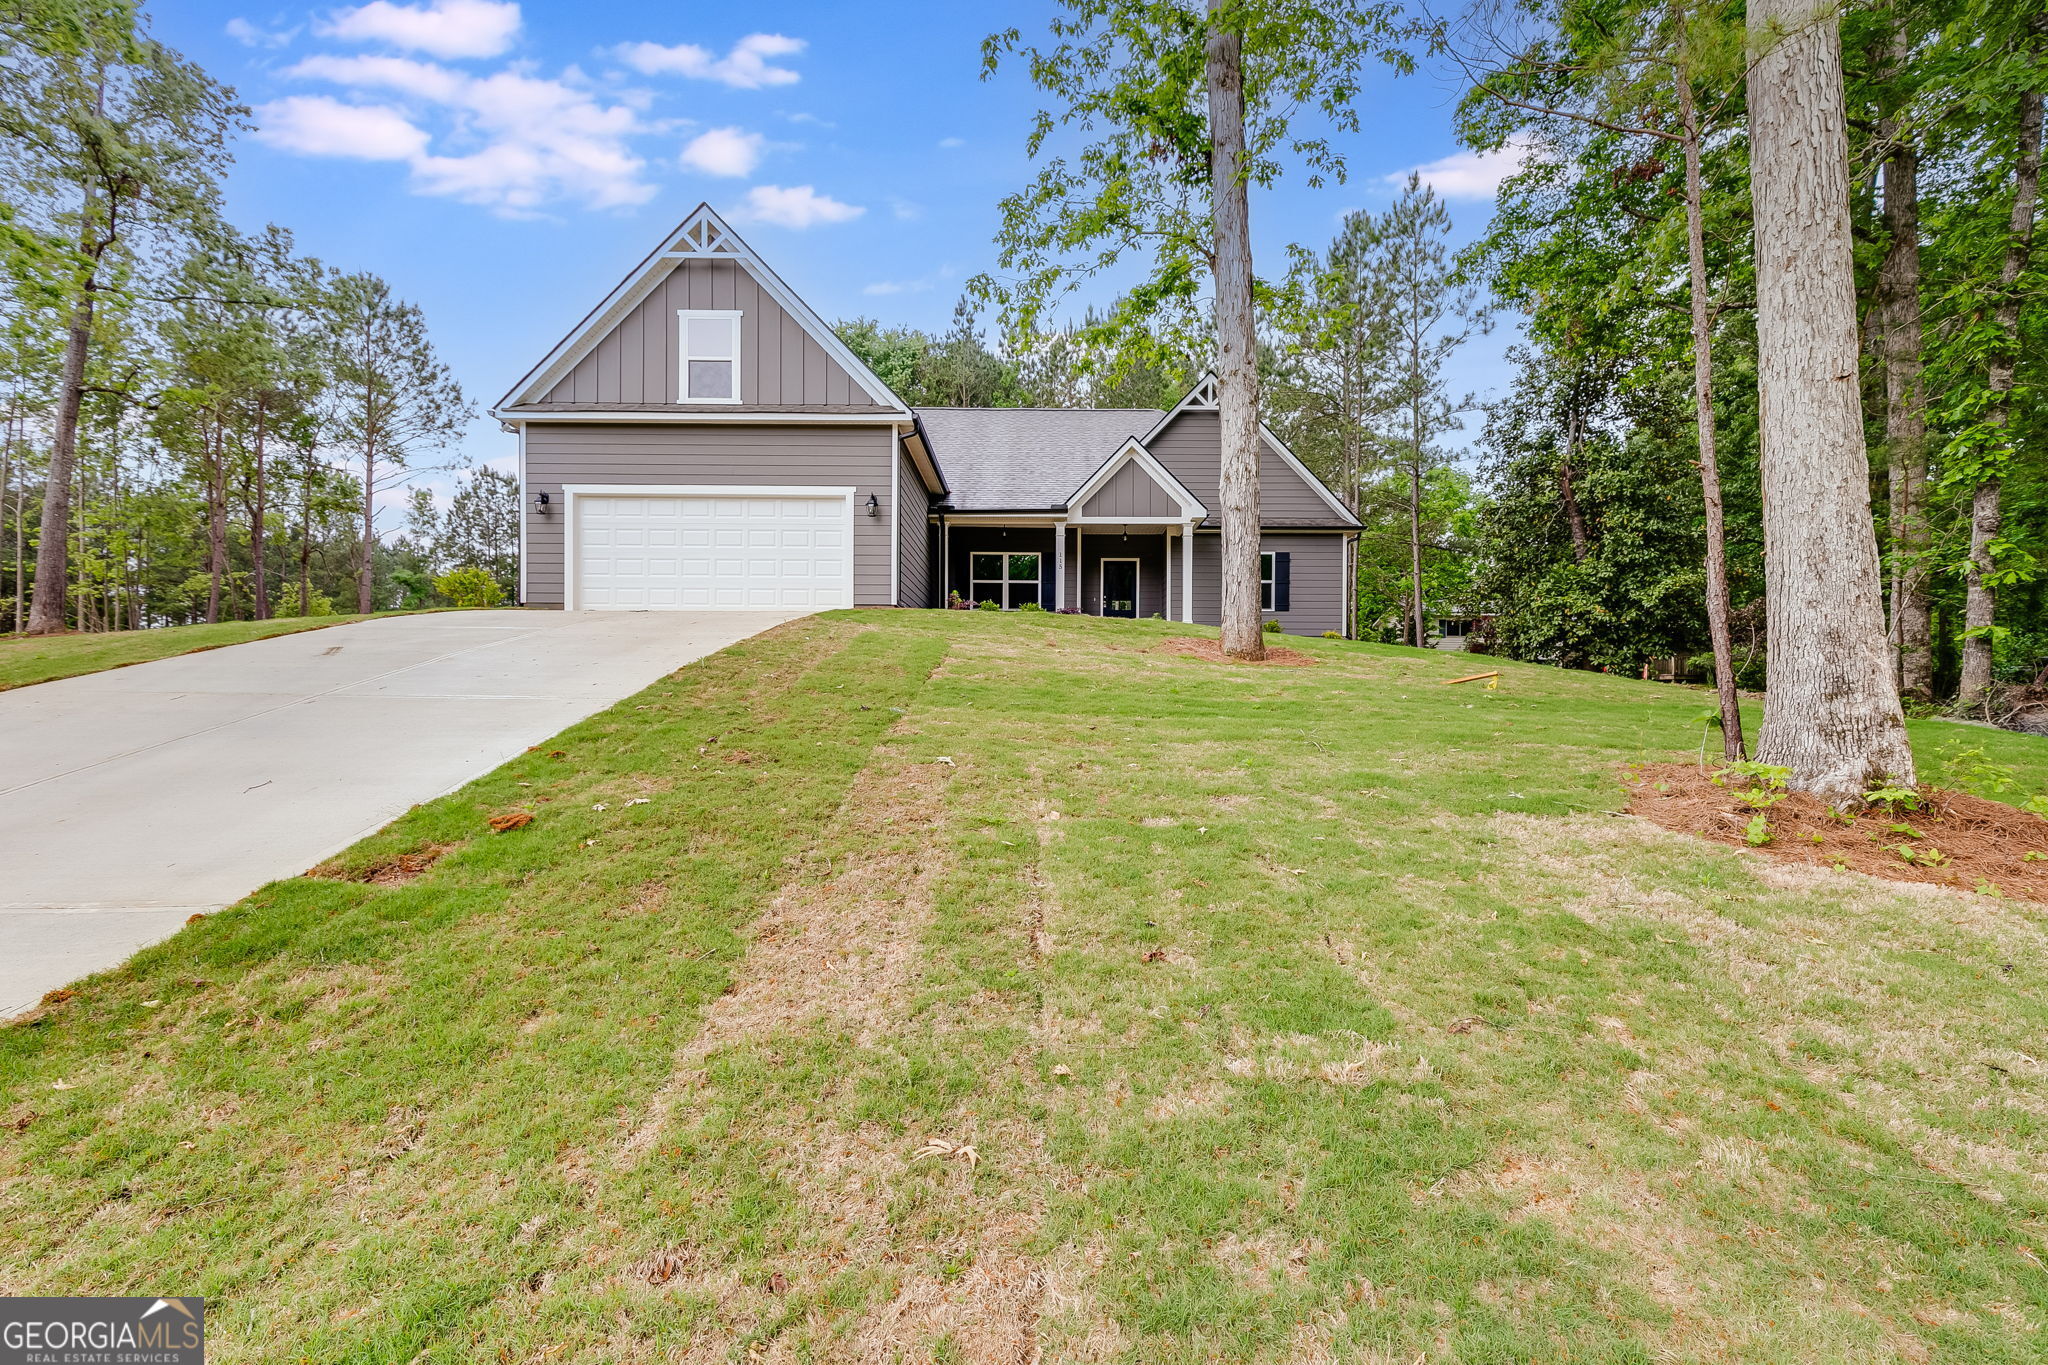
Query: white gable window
{"points": [[710, 356]]}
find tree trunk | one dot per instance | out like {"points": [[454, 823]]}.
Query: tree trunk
{"points": [[1237, 374], [1582, 541], [1905, 412], [1703, 414], [1832, 714], [1980, 611], [258, 577], [366, 574], [1421, 631], [216, 522], [306, 544], [46, 613]]}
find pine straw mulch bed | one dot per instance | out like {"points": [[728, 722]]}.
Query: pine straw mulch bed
{"points": [[1980, 845], [1201, 647]]}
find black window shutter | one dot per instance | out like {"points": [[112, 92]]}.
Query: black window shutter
{"points": [[1281, 564]]}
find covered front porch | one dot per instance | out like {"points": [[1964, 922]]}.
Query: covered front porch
{"points": [[1133, 569]]}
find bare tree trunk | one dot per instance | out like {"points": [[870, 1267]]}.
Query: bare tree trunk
{"points": [[20, 536], [1905, 415], [1703, 413], [1237, 373], [46, 613], [1567, 470], [1421, 632], [258, 576], [216, 522], [6, 483], [1832, 715], [306, 544], [1980, 611]]}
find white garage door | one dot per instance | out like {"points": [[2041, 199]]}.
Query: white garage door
{"points": [[681, 553]]}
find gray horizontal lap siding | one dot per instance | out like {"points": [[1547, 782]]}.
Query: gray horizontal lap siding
{"points": [[636, 362], [1316, 580], [913, 535], [1191, 448], [635, 454], [1130, 492]]}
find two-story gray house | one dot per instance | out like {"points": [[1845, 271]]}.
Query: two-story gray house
{"points": [[702, 440]]}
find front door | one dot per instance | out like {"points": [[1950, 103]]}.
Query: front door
{"points": [[1120, 587]]}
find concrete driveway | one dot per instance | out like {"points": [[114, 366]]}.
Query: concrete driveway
{"points": [[138, 796]]}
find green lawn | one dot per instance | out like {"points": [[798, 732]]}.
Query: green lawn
{"points": [[1240, 1014], [44, 658]]}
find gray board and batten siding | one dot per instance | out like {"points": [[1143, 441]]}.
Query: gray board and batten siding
{"points": [[1131, 492], [782, 366], [764, 454]]}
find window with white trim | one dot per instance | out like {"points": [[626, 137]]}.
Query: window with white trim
{"points": [[709, 344], [1004, 579], [1266, 582]]}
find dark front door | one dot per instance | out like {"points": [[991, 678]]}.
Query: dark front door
{"points": [[1120, 587]]}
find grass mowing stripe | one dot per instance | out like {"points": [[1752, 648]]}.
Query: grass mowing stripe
{"points": [[345, 1093]]}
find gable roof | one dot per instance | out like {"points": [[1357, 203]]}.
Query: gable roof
{"points": [[1202, 398], [701, 236], [1025, 459], [1132, 454]]}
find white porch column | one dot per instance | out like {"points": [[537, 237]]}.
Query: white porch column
{"points": [[1166, 545], [1080, 572], [1187, 573], [1059, 565]]}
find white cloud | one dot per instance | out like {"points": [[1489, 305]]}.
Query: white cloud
{"points": [[799, 206], [513, 141], [723, 151], [427, 80], [444, 28], [745, 67], [881, 288], [317, 125], [949, 143], [905, 210], [1470, 175], [248, 35]]}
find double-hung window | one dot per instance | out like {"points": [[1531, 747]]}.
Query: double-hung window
{"points": [[1266, 582], [710, 345], [1004, 579]]}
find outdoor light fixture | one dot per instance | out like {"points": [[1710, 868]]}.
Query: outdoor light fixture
{"points": [[874, 506], [540, 503]]}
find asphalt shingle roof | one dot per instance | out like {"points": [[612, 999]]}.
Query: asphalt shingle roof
{"points": [[1014, 459]]}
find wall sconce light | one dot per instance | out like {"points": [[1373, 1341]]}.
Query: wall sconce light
{"points": [[540, 503], [874, 505]]}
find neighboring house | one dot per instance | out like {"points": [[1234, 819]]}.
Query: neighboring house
{"points": [[702, 439]]}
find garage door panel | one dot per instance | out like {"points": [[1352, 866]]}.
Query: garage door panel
{"points": [[654, 553]]}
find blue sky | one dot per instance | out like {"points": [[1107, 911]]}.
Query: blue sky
{"points": [[504, 162]]}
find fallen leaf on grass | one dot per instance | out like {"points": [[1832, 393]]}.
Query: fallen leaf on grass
{"points": [[949, 1150], [1062, 1071], [58, 996], [663, 1266], [1153, 955], [194, 919], [511, 820], [777, 1284], [600, 806], [947, 760], [62, 1085], [1462, 1025]]}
